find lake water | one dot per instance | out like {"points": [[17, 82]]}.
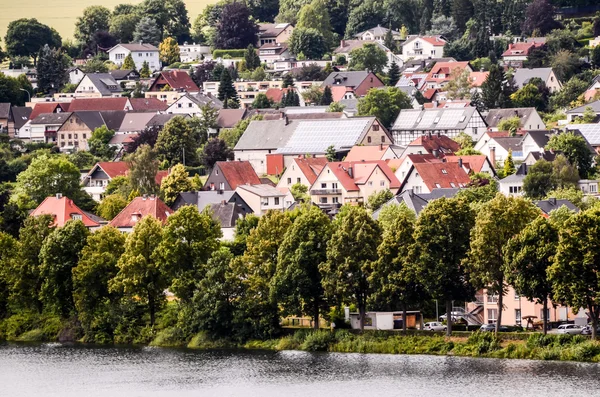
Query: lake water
{"points": [[57, 370]]}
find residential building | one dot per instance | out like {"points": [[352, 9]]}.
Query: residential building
{"points": [[529, 118], [533, 157], [417, 201], [98, 178], [5, 117], [189, 53], [98, 85], [173, 80], [75, 75], [437, 145], [204, 198], [347, 46], [73, 135], [593, 91], [443, 72], [140, 52], [99, 104], [512, 185], [303, 170], [412, 123], [125, 75], [517, 53], [227, 215], [138, 208], [589, 187], [273, 52], [373, 152], [576, 113], [63, 209], [535, 141], [192, 104], [522, 77], [48, 107], [45, 127], [344, 182], [228, 175], [134, 122], [496, 149], [594, 42], [551, 204], [20, 115], [150, 105], [378, 34], [423, 47], [591, 133], [264, 197], [228, 118], [425, 177], [269, 33]]}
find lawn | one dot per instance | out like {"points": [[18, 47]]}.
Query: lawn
{"points": [[62, 14]]}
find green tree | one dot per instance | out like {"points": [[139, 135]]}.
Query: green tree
{"points": [[495, 90], [565, 64], [390, 42], [335, 107], [459, 86], [316, 16], [235, 29], [176, 142], [393, 73], [376, 200], [441, 243], [169, 51], [10, 90], [569, 93], [595, 56], [308, 42], [111, 205], [574, 195], [575, 272], [576, 150], [145, 70], [385, 104], [300, 193], [589, 116], [509, 164], [327, 97], [128, 63], [94, 19], [122, 26], [60, 253], [227, 91], [188, 240], [262, 102], [215, 150], [8, 254], [331, 153], [26, 37], [351, 252], [539, 180], [143, 167], [98, 143], [369, 57], [52, 70], [528, 256], [147, 31], [528, 96], [96, 267], [288, 80], [95, 65], [176, 182], [510, 124], [141, 276], [251, 57], [232, 135], [296, 284], [363, 15], [497, 221]]}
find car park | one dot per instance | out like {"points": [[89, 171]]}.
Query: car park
{"points": [[569, 329], [434, 326]]}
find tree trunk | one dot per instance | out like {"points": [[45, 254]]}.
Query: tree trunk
{"points": [[151, 308], [404, 317], [316, 315], [594, 315], [449, 318], [545, 316], [361, 317], [500, 305]]}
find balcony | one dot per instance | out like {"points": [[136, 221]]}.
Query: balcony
{"points": [[323, 192]]}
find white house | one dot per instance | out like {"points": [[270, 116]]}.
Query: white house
{"points": [[497, 148], [194, 52], [523, 76], [423, 47], [141, 52], [529, 118], [262, 198], [98, 85], [270, 53], [191, 104], [378, 34], [75, 75]]}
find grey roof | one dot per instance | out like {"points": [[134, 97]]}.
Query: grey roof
{"points": [[378, 31], [346, 79], [113, 118], [271, 29], [417, 201], [227, 214], [513, 143], [591, 132], [135, 122], [122, 74], [514, 178], [4, 110], [552, 204], [315, 136], [228, 118], [51, 118], [524, 75], [162, 119], [91, 119], [137, 47], [594, 105], [546, 155], [203, 198], [409, 90], [21, 115], [266, 134], [540, 137], [201, 100], [105, 83], [350, 104], [433, 119], [495, 115], [263, 190]]}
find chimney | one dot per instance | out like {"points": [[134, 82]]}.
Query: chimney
{"points": [[435, 153], [342, 43], [460, 163], [493, 156], [58, 196], [350, 173], [552, 201], [223, 202], [144, 197]]}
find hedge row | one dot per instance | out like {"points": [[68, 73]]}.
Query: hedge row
{"points": [[231, 53]]}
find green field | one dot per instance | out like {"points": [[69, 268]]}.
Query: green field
{"points": [[61, 14]]}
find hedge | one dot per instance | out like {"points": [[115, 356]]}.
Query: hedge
{"points": [[231, 53]]}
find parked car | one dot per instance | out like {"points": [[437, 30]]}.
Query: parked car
{"points": [[492, 328], [587, 330], [570, 329], [434, 326]]}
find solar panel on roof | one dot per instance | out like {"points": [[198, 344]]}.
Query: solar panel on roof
{"points": [[428, 119], [407, 119], [591, 132], [450, 118], [317, 136]]}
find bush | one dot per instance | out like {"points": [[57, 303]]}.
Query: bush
{"points": [[230, 53], [318, 341], [169, 337], [35, 335]]}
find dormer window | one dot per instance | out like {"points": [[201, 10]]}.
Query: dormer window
{"points": [[134, 218], [76, 217], [444, 172]]}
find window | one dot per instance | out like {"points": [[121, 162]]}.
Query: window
{"points": [[323, 200], [542, 314], [381, 183], [517, 296], [444, 171], [370, 183], [190, 105], [276, 200], [382, 139], [76, 217], [492, 315], [76, 136], [297, 180], [593, 188], [518, 316], [84, 136], [139, 54], [334, 185], [62, 136], [492, 298], [514, 189], [368, 139], [180, 105], [222, 186], [289, 181], [323, 186], [70, 137], [438, 186], [334, 200], [375, 127]]}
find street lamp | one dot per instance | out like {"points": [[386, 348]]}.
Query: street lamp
{"points": [[24, 90]]}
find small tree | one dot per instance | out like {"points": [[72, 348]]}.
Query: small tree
{"points": [[143, 167], [227, 91], [169, 51], [509, 165], [288, 80], [251, 57], [145, 70], [511, 124], [327, 97], [128, 63], [215, 150], [393, 73], [376, 200], [111, 205], [262, 102], [98, 143], [385, 104], [331, 153], [369, 57], [176, 182], [576, 150]]}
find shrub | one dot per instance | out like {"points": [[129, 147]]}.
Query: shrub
{"points": [[35, 335], [230, 53], [169, 337], [318, 341]]}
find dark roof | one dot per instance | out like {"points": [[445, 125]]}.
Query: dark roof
{"points": [[271, 29], [513, 143], [202, 198], [417, 201], [594, 105], [347, 79], [4, 110], [228, 118], [21, 115], [162, 119], [92, 120], [120, 74], [552, 204], [540, 137], [206, 99], [266, 134], [51, 118], [496, 115], [113, 118], [105, 83], [547, 155], [227, 214]]}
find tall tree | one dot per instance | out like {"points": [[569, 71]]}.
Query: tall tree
{"points": [[143, 167], [528, 256], [178, 21], [52, 70], [60, 253], [111, 205], [497, 221], [307, 43], [235, 29], [263, 10], [462, 11], [26, 37], [351, 252], [364, 15], [576, 150], [315, 15], [459, 87], [385, 104], [368, 57], [389, 41], [98, 143], [141, 276], [147, 31], [169, 51], [94, 19], [393, 74], [296, 284], [215, 150], [176, 142], [227, 92], [128, 63], [251, 57], [176, 182], [327, 97], [539, 16], [123, 26], [495, 92]]}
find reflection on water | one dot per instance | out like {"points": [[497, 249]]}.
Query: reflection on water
{"points": [[57, 370]]}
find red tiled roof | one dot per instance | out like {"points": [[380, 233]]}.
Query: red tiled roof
{"points": [[228, 118], [442, 175], [434, 40], [179, 80], [148, 104], [47, 107], [62, 209], [474, 162], [99, 104], [361, 171], [276, 94], [429, 93], [160, 175], [238, 173], [139, 208], [441, 143], [477, 78], [338, 92], [121, 168], [311, 167], [520, 49], [367, 153]]}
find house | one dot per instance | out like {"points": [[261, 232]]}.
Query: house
{"points": [[412, 123], [73, 135], [227, 215], [360, 82], [512, 185], [273, 52], [269, 33], [204, 198], [151, 105], [125, 75], [96, 180], [437, 145], [423, 47], [426, 177], [551, 204], [140, 52], [189, 53], [100, 104], [159, 120], [48, 107], [589, 187], [138, 208], [496, 149], [228, 118], [378, 34], [45, 126], [534, 141], [192, 104], [303, 170], [576, 113], [517, 53], [173, 80], [529, 118], [470, 164], [347, 46], [593, 91], [75, 75], [417, 201], [443, 72], [5, 117], [523, 76], [63, 209], [228, 175], [533, 157], [345, 182], [20, 115], [591, 133], [134, 122], [386, 320], [368, 153], [98, 85], [264, 197], [594, 42]]}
